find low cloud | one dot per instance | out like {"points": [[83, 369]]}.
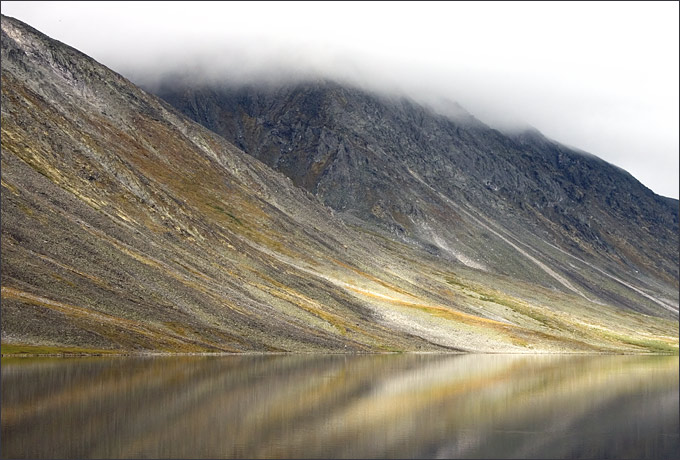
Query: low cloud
{"points": [[599, 77]]}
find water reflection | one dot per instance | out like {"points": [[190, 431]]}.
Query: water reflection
{"points": [[336, 406]]}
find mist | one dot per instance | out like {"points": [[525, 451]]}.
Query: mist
{"points": [[601, 77]]}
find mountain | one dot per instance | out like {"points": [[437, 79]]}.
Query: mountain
{"points": [[519, 205], [127, 227]]}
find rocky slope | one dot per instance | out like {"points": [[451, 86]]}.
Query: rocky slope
{"points": [[519, 205], [128, 227]]}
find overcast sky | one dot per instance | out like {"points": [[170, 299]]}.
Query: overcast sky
{"points": [[602, 77]]}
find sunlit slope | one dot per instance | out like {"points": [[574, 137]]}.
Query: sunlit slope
{"points": [[127, 227]]}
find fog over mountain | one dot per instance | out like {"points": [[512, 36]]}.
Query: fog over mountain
{"points": [[128, 227], [600, 77]]}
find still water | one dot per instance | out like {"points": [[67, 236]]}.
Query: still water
{"points": [[337, 406]]}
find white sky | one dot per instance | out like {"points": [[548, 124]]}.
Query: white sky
{"points": [[602, 77]]}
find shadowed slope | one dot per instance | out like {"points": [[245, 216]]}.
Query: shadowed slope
{"points": [[520, 205]]}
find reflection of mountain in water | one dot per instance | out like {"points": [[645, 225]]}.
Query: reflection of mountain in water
{"points": [[466, 406]]}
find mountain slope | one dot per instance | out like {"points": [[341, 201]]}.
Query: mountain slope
{"points": [[519, 205], [127, 227]]}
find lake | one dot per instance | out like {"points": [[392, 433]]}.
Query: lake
{"points": [[341, 406]]}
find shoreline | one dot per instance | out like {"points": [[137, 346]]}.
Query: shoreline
{"points": [[328, 353]]}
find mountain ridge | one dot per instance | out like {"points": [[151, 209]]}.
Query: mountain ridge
{"points": [[126, 227]]}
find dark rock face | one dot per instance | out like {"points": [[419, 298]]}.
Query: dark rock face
{"points": [[128, 227], [449, 184]]}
